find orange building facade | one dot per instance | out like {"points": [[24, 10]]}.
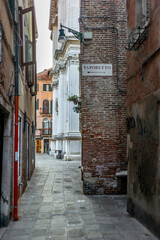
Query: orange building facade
{"points": [[44, 112]]}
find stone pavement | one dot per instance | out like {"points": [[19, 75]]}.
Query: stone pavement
{"points": [[54, 208]]}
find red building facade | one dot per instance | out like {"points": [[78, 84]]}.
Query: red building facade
{"points": [[103, 94], [143, 110]]}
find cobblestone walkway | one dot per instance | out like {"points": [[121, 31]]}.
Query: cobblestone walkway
{"points": [[54, 208]]}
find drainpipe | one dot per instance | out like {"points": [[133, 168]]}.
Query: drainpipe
{"points": [[16, 126]]}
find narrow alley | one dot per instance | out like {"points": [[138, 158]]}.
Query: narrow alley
{"points": [[54, 207]]}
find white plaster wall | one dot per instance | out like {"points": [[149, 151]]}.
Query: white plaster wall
{"points": [[66, 136], [73, 13]]}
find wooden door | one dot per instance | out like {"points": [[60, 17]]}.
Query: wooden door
{"points": [[38, 146]]}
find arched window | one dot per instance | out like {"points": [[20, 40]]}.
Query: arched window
{"points": [[45, 126], [45, 106]]}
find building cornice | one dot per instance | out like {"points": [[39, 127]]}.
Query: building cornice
{"points": [[53, 13], [61, 52], [62, 63]]}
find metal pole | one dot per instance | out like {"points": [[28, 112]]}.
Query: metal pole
{"points": [[16, 128]]}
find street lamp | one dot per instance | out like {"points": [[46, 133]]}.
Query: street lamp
{"points": [[62, 37]]}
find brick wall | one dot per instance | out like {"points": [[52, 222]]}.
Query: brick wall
{"points": [[103, 116]]}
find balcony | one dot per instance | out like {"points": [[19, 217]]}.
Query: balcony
{"points": [[46, 113], [45, 131]]}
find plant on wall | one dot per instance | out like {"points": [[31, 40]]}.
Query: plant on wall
{"points": [[77, 101]]}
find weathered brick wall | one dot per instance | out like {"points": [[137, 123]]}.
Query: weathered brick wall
{"points": [[103, 102], [143, 120], [143, 75]]}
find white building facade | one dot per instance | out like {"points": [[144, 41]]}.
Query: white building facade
{"points": [[66, 136]]}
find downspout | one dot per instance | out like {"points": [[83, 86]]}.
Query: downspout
{"points": [[16, 124]]}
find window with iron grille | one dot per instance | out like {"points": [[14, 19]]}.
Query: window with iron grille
{"points": [[45, 126]]}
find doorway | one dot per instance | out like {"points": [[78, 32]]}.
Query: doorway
{"points": [[46, 145], [1, 154], [28, 151]]}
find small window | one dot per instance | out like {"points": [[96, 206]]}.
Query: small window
{"points": [[37, 104], [47, 87]]}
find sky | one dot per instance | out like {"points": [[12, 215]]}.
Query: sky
{"points": [[44, 43]]}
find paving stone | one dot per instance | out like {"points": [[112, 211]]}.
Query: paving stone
{"points": [[76, 233], [23, 237], [113, 237], [108, 229], [38, 238], [92, 227], [39, 232], [73, 222], [54, 208], [94, 235], [59, 232]]}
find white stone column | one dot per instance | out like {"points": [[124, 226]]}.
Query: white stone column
{"points": [[54, 114], [72, 133], [60, 127], [73, 89]]}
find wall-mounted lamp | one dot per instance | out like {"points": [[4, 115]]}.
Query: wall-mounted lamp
{"points": [[62, 37]]}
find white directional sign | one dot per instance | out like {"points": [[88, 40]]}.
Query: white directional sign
{"points": [[96, 69]]}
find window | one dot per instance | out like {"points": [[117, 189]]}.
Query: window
{"points": [[139, 34], [51, 125], [37, 87], [51, 106], [12, 7], [27, 51], [45, 126], [47, 87], [27, 23], [37, 104], [45, 106], [142, 12], [33, 88]]}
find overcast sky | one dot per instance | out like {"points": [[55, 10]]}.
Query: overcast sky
{"points": [[44, 43]]}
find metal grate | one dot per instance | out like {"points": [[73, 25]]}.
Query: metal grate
{"points": [[136, 38]]}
